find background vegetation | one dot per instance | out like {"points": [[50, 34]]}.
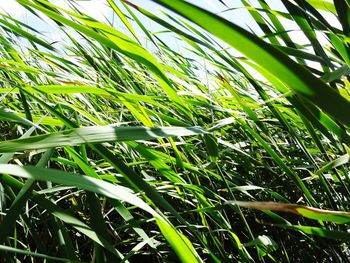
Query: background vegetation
{"points": [[234, 147]]}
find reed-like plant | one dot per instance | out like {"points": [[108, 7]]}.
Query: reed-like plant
{"points": [[230, 146]]}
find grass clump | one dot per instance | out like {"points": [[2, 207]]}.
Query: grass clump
{"points": [[231, 146]]}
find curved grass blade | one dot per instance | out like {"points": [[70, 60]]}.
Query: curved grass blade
{"points": [[84, 182], [95, 134], [61, 214], [318, 231], [293, 75], [175, 238], [110, 37], [338, 217], [122, 17]]}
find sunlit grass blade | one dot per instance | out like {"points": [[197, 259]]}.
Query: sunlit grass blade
{"points": [[309, 212], [286, 70], [96, 134]]}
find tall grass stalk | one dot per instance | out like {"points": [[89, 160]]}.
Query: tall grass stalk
{"points": [[231, 145]]}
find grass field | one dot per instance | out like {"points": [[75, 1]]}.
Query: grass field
{"points": [[231, 145]]}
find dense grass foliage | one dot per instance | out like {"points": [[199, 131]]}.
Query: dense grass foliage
{"points": [[231, 145]]}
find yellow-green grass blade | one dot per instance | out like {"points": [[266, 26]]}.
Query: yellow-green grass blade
{"points": [[294, 76], [94, 135], [319, 231], [338, 217], [114, 39], [180, 243]]}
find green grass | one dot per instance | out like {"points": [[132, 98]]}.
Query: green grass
{"points": [[232, 147]]}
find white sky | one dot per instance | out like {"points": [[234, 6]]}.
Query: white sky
{"points": [[95, 8], [12, 7]]}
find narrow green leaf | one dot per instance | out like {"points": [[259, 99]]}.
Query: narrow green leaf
{"points": [[95, 134], [338, 217], [296, 77]]}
